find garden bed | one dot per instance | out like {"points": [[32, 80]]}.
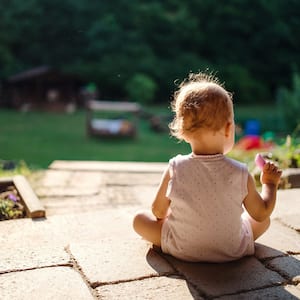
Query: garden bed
{"points": [[18, 200]]}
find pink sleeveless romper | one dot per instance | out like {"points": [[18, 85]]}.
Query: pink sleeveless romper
{"points": [[206, 223]]}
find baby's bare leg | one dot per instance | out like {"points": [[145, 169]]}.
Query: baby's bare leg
{"points": [[258, 228], [147, 226]]}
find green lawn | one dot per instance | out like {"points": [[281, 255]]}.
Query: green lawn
{"points": [[38, 138]]}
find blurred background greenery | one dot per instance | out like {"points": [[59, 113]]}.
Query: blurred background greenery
{"points": [[124, 46], [136, 51]]}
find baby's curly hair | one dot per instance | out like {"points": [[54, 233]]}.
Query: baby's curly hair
{"points": [[201, 102]]}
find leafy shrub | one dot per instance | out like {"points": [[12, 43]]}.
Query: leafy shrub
{"points": [[141, 88], [246, 88], [289, 104]]}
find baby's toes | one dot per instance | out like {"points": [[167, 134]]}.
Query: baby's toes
{"points": [[275, 170], [268, 167], [271, 168]]}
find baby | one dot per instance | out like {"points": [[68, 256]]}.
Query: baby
{"points": [[207, 207]]}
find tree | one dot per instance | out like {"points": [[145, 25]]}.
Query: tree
{"points": [[252, 45], [289, 104]]}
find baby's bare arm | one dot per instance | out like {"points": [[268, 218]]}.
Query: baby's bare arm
{"points": [[260, 206], [161, 203]]}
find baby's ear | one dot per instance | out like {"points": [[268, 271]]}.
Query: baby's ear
{"points": [[228, 128]]}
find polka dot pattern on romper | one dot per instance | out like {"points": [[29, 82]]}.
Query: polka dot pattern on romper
{"points": [[206, 195]]}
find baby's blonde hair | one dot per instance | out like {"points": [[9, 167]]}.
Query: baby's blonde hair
{"points": [[201, 102]]}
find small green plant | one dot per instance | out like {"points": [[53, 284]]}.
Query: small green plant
{"points": [[288, 154], [10, 168], [10, 204], [141, 88]]}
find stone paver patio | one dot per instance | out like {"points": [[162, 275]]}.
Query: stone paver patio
{"points": [[85, 248]]}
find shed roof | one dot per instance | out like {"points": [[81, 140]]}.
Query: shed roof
{"points": [[31, 73], [38, 72]]}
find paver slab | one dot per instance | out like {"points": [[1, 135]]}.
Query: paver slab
{"points": [[69, 191], [65, 229], [87, 179], [287, 207], [289, 266], [132, 179], [135, 196], [31, 257], [51, 178], [279, 237], [292, 220], [167, 288], [57, 205], [60, 283], [288, 292], [104, 197], [59, 178], [263, 252], [118, 259], [227, 278]]}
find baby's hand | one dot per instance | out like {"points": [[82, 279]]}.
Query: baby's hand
{"points": [[270, 174]]}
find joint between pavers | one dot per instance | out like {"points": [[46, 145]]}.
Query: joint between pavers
{"points": [[295, 282], [265, 260], [278, 219], [45, 196], [69, 265], [177, 272], [78, 269], [293, 253], [282, 274], [101, 284]]}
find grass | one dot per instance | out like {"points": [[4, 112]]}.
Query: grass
{"points": [[38, 138]]}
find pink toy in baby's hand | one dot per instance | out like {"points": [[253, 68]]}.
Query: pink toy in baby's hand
{"points": [[259, 161]]}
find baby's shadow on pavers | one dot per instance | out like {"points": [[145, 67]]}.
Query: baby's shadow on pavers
{"points": [[187, 289], [275, 275], [286, 264]]}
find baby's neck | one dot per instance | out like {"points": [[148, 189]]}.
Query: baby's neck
{"points": [[207, 144], [206, 151]]}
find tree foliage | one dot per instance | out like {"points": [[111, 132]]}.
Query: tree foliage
{"points": [[289, 104], [252, 45]]}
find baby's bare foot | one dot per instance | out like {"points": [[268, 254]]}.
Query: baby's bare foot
{"points": [[271, 174]]}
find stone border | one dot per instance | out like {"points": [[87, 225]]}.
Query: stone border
{"points": [[109, 166], [293, 177], [34, 208]]}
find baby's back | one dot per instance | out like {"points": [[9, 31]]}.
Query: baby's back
{"points": [[206, 195]]}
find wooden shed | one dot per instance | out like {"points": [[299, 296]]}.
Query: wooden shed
{"points": [[43, 88]]}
